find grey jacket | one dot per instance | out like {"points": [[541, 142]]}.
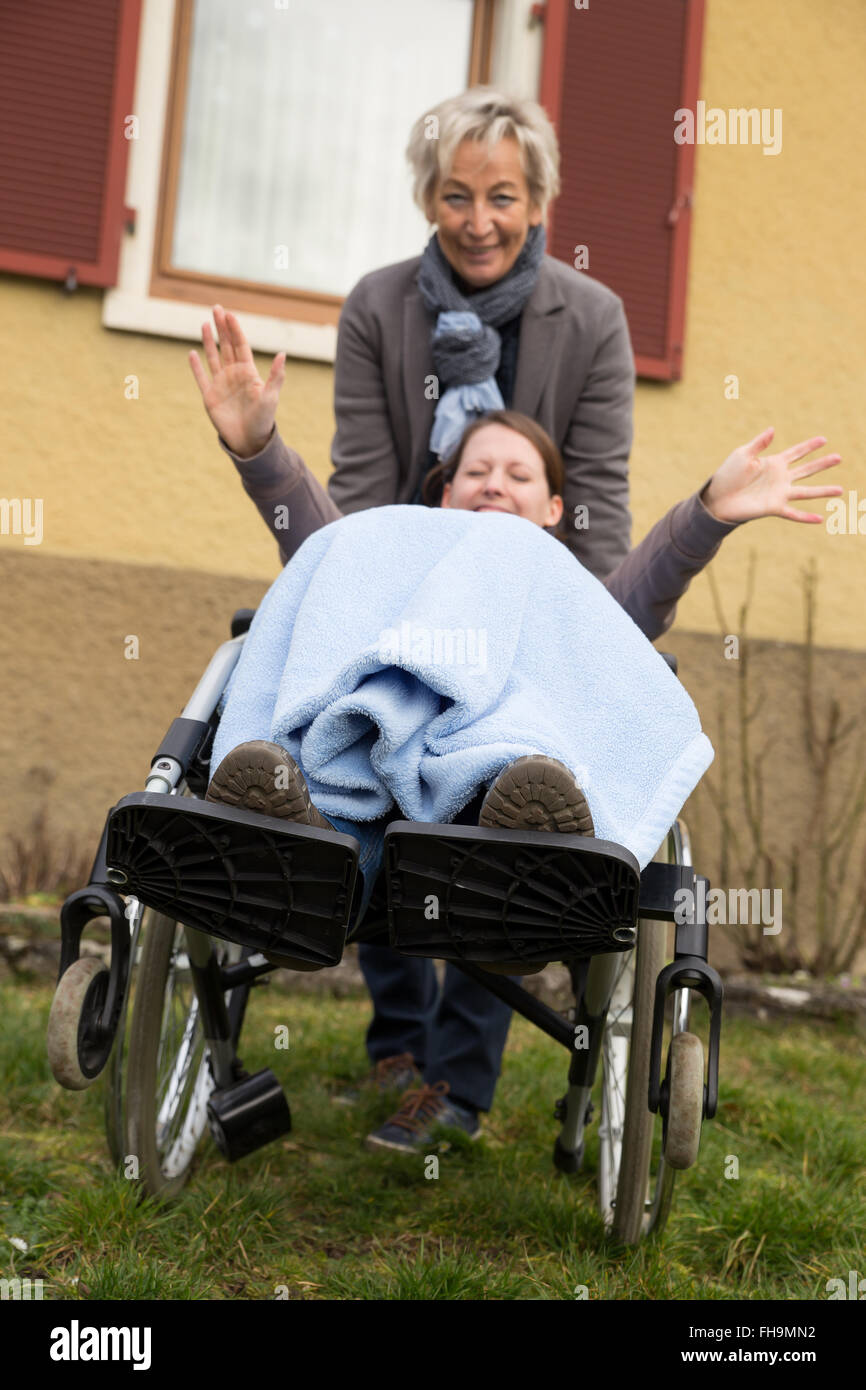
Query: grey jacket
{"points": [[647, 583], [575, 377]]}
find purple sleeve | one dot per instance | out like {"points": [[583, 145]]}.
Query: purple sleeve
{"points": [[655, 575], [293, 504]]}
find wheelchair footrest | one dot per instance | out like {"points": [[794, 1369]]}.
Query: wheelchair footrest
{"points": [[272, 885], [462, 892]]}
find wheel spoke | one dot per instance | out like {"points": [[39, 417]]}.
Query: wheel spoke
{"points": [[615, 1048], [627, 1126], [183, 1079], [169, 1074]]}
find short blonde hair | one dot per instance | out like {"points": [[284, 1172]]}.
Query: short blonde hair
{"points": [[489, 115]]}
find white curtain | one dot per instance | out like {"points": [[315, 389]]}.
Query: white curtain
{"points": [[295, 133]]}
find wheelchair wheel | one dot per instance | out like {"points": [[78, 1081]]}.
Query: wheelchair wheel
{"points": [[168, 1072], [682, 1126], [625, 1129], [79, 996], [634, 1202]]}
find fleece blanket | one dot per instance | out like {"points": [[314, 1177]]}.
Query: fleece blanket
{"points": [[406, 654]]}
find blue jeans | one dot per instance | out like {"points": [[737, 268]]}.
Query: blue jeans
{"points": [[456, 1034], [371, 838]]}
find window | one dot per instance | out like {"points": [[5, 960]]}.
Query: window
{"points": [[284, 176]]}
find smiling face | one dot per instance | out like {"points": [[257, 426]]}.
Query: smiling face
{"points": [[501, 471], [483, 211]]}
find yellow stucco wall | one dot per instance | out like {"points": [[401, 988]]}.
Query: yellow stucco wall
{"points": [[142, 481], [777, 296]]}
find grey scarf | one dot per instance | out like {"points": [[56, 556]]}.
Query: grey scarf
{"points": [[466, 344], [460, 360]]}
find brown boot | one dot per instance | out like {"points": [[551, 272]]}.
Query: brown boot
{"points": [[263, 777], [537, 793], [534, 793], [260, 776]]}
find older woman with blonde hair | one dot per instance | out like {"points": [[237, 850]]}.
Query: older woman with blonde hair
{"points": [[482, 319]]}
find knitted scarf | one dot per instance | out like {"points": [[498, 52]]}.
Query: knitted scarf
{"points": [[466, 344]]}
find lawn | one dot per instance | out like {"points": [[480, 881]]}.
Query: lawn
{"points": [[315, 1216]]}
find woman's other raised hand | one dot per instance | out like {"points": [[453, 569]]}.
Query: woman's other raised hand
{"points": [[750, 485], [240, 405]]}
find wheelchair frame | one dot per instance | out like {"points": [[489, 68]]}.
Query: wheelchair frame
{"points": [[172, 1069]]}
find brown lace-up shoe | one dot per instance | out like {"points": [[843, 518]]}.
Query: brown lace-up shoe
{"points": [[423, 1109], [389, 1077]]}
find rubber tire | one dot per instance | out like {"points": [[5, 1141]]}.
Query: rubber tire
{"points": [[637, 1137], [141, 1067], [685, 1101], [64, 1022]]}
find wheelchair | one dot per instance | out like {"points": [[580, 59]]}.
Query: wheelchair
{"points": [[195, 892]]}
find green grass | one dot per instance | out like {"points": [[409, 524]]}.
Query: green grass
{"points": [[316, 1216]]}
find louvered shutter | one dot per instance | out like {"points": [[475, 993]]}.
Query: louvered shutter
{"points": [[67, 75], [613, 75]]}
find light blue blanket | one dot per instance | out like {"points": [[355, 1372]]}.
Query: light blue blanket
{"points": [[407, 654]]}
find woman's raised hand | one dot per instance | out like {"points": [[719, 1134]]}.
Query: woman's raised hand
{"points": [[241, 406], [749, 485]]}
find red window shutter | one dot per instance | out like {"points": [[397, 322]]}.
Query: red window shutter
{"points": [[67, 74], [613, 75]]}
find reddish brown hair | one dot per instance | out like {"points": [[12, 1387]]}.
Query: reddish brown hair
{"points": [[554, 470]]}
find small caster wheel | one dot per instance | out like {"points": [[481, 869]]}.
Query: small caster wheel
{"points": [[77, 1003], [682, 1128]]}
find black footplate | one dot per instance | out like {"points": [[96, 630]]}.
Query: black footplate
{"points": [[272, 885], [463, 892]]}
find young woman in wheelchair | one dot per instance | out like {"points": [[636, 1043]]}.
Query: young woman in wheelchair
{"points": [[506, 463]]}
